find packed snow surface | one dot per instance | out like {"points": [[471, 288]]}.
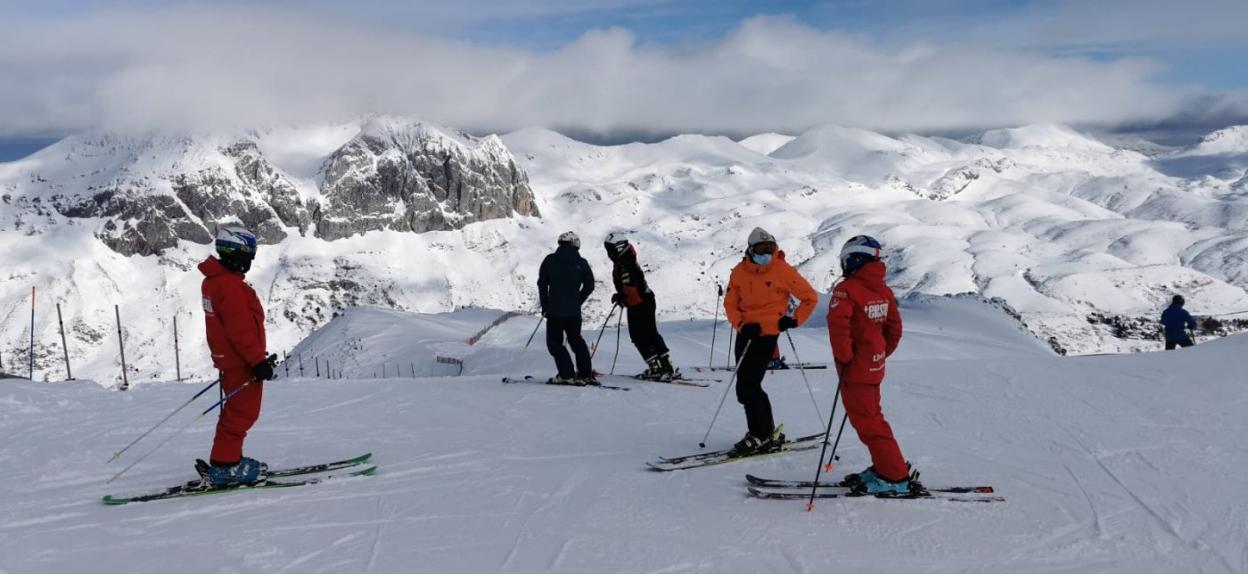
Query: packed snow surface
{"points": [[1130, 463]]}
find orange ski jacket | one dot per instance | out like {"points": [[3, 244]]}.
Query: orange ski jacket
{"points": [[761, 293]]}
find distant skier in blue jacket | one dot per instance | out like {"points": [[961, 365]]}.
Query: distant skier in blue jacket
{"points": [[1177, 322]]}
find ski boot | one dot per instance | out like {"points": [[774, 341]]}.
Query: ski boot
{"points": [[751, 445], [653, 370], [245, 472], [867, 475], [586, 381], [667, 373], [879, 486], [558, 380], [777, 365]]}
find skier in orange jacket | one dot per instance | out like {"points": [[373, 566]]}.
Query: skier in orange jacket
{"points": [[757, 305]]}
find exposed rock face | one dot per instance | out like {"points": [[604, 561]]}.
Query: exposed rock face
{"points": [[149, 193], [415, 178]]}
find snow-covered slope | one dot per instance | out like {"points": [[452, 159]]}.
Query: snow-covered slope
{"points": [[1054, 222], [1108, 464], [765, 143]]}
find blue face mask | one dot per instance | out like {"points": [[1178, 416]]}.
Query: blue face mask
{"points": [[760, 259]]}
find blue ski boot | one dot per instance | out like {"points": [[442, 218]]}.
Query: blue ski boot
{"points": [[245, 472], [867, 475], [878, 486]]}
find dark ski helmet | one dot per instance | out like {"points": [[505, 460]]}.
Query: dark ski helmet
{"points": [[1178, 300], [858, 251], [616, 244], [236, 248]]}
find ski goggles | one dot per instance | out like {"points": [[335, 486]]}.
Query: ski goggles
{"points": [[764, 248]]}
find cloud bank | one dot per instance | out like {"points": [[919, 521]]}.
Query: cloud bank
{"points": [[194, 68]]}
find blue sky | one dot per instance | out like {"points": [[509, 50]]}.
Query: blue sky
{"points": [[620, 66]]}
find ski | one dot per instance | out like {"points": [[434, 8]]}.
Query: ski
{"points": [[532, 379], [195, 488], [758, 492], [776, 483], [676, 381], [724, 452], [323, 467], [791, 367], [723, 457]]}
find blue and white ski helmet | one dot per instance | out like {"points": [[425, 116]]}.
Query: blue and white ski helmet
{"points": [[858, 251], [236, 242]]}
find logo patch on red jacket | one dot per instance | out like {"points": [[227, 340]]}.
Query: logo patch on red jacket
{"points": [[207, 305]]}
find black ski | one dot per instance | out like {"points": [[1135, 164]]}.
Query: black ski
{"points": [[532, 379], [794, 494], [715, 453], [791, 367], [777, 483], [680, 380], [725, 456]]}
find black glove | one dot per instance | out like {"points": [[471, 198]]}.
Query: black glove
{"points": [[617, 299], [263, 371], [751, 330], [786, 323], [543, 312]]}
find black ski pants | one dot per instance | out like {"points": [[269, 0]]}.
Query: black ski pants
{"points": [[750, 382], [643, 329], [556, 329], [1170, 345]]}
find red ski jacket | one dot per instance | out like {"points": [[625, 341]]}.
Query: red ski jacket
{"points": [[864, 325], [233, 317]]}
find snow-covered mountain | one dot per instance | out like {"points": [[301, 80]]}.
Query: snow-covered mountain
{"points": [[401, 214]]}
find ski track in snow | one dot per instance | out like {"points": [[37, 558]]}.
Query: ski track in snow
{"points": [[1108, 464]]}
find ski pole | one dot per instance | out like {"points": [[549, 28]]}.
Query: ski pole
{"points": [[618, 320], [731, 380], [602, 330], [535, 328], [715, 325], [804, 379], [181, 430], [517, 359], [831, 418], [118, 454]]}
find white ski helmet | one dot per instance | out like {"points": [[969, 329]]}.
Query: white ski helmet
{"points": [[858, 251], [617, 240], [570, 238], [760, 235]]}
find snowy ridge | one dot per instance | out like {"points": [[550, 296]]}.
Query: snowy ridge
{"points": [[1107, 464], [1055, 223]]}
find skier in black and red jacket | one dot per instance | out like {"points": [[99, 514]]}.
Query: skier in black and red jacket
{"points": [[634, 295]]}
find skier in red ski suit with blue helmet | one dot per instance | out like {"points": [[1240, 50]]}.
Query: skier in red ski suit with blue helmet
{"points": [[864, 327], [234, 321]]}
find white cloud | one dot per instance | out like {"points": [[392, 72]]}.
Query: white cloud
{"points": [[199, 68]]}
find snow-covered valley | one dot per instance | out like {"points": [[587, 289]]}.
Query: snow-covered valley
{"points": [[1124, 463]]}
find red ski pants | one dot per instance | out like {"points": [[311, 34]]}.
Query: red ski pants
{"points": [[237, 415], [862, 404]]}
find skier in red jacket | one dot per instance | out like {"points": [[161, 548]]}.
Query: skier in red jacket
{"points": [[864, 327], [235, 325]]}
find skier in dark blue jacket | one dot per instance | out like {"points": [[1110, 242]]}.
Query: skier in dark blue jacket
{"points": [[564, 282], [1177, 322]]}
